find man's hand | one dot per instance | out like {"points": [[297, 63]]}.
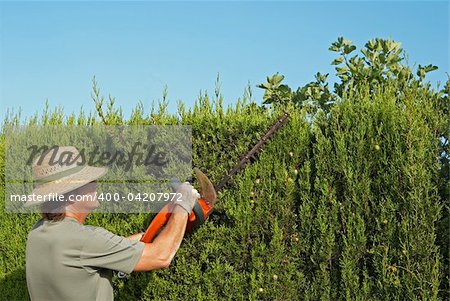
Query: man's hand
{"points": [[189, 197]]}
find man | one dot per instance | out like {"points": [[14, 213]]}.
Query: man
{"points": [[67, 260]]}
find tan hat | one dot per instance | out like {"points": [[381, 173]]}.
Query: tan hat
{"points": [[57, 172]]}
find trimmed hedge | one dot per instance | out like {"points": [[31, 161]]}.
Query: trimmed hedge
{"points": [[339, 206]]}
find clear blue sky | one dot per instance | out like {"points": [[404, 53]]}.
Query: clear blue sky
{"points": [[52, 50]]}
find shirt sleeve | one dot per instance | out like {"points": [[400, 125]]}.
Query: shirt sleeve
{"points": [[103, 249]]}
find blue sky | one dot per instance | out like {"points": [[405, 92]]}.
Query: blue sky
{"points": [[52, 50]]}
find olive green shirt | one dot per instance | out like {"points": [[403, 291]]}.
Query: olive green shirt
{"points": [[69, 261]]}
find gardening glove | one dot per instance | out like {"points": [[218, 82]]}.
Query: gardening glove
{"points": [[189, 196]]}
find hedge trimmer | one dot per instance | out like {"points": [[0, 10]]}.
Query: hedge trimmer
{"points": [[208, 192]]}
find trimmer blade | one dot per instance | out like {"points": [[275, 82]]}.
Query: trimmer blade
{"points": [[207, 190]]}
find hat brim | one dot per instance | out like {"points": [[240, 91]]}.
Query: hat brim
{"points": [[63, 185]]}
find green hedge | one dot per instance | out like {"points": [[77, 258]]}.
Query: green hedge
{"points": [[339, 206]]}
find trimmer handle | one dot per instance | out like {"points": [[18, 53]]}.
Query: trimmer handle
{"points": [[198, 215], [157, 223], [202, 208], [161, 218]]}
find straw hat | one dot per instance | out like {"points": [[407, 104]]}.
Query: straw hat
{"points": [[59, 173]]}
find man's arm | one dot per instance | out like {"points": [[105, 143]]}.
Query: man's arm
{"points": [[160, 252]]}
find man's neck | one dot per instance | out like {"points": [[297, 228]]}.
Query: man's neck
{"points": [[79, 216]]}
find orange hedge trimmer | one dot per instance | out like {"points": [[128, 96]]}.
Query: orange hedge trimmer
{"points": [[208, 193]]}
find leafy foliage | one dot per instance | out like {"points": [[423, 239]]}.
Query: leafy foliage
{"points": [[381, 62]]}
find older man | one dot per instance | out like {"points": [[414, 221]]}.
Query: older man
{"points": [[67, 260]]}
